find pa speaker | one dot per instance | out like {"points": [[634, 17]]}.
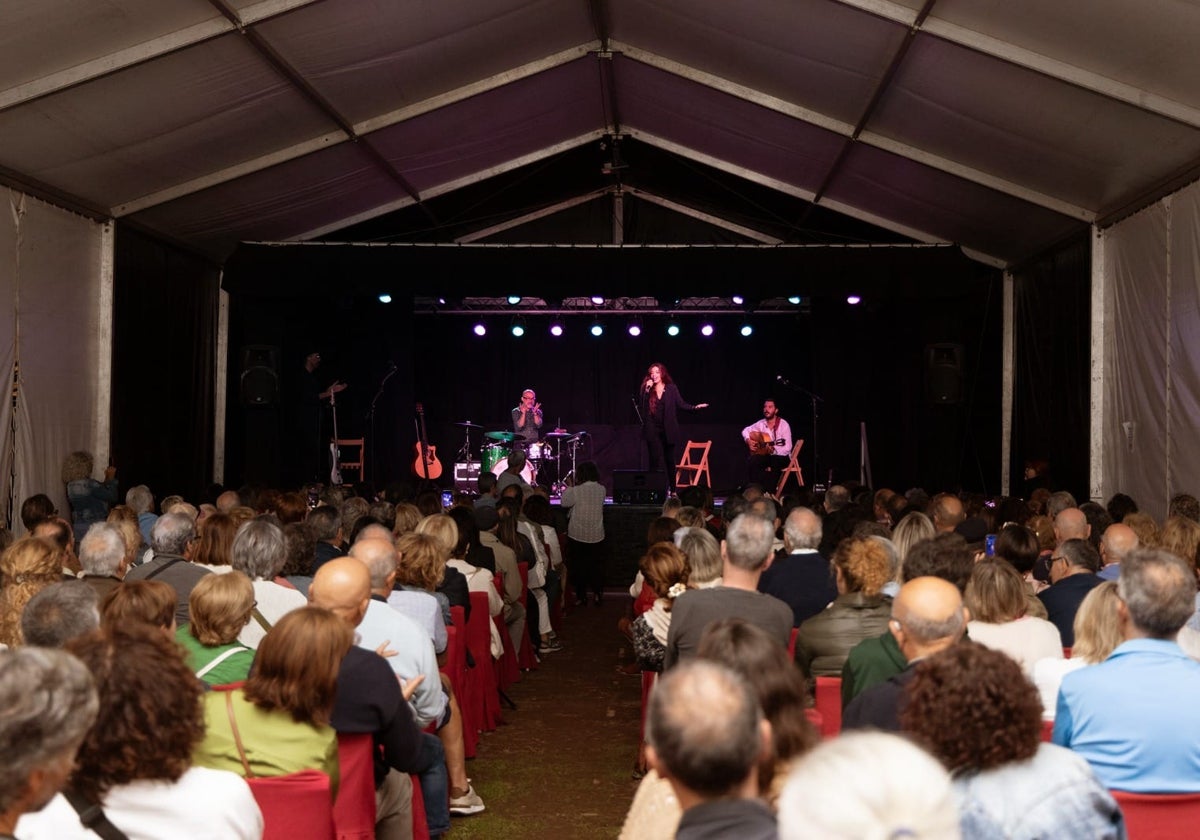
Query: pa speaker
{"points": [[635, 487], [944, 373], [260, 375]]}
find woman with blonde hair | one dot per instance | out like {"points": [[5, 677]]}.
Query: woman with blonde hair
{"points": [[451, 587], [220, 606], [862, 567], [26, 568], [408, 516], [909, 531], [996, 598], [1145, 527], [1097, 634]]}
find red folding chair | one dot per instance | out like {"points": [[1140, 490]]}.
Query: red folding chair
{"points": [[1047, 730], [1159, 816], [420, 822], [295, 805], [526, 660], [354, 808], [482, 681], [507, 669], [829, 704]]}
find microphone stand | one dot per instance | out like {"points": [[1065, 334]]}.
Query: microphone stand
{"points": [[634, 399], [814, 400], [371, 418]]}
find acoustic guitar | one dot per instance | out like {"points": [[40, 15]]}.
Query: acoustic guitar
{"points": [[760, 443], [426, 465]]}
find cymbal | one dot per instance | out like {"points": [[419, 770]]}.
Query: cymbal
{"points": [[505, 436], [467, 424], [557, 434]]}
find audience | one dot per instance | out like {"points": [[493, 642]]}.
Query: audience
{"points": [[220, 606], [1072, 576], [171, 540], [60, 612], [996, 597], [26, 568], [258, 553], [1097, 634], [87, 498], [665, 570], [801, 577], [147, 602]]}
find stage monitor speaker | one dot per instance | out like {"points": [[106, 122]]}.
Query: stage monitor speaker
{"points": [[944, 373], [636, 487], [260, 375], [466, 476]]}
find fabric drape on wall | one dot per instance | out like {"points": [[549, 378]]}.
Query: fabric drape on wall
{"points": [[1152, 407], [56, 336]]}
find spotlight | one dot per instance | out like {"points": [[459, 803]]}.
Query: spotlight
{"points": [[513, 300], [597, 300], [518, 327], [706, 329], [441, 301], [635, 327], [794, 300], [673, 329], [385, 298], [597, 329], [747, 329], [738, 300], [556, 328], [853, 300], [480, 329]]}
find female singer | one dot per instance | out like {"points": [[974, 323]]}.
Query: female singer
{"points": [[660, 402]]}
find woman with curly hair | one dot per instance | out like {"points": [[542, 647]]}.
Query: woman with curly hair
{"points": [[136, 761], [278, 722], [978, 714], [665, 570], [88, 499], [996, 597], [26, 568], [862, 567], [219, 606]]}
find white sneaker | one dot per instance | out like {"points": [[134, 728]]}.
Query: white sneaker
{"points": [[467, 804]]}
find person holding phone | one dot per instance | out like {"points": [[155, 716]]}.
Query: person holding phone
{"points": [[660, 404]]}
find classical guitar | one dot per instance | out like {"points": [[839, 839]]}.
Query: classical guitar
{"points": [[760, 443], [335, 473], [426, 465]]}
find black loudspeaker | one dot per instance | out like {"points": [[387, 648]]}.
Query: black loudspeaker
{"points": [[635, 487], [260, 375], [944, 373]]}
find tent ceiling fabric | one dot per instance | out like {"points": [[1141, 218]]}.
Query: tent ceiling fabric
{"points": [[1001, 127]]}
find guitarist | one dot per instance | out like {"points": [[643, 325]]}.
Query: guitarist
{"points": [[770, 443], [312, 441]]}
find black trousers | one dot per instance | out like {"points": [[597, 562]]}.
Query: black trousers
{"points": [[586, 561]]}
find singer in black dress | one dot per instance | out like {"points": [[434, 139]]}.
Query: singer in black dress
{"points": [[660, 403]]}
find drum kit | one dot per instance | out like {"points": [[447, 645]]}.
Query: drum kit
{"points": [[539, 455]]}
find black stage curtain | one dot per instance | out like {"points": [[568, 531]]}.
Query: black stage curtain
{"points": [[1051, 417], [164, 335]]}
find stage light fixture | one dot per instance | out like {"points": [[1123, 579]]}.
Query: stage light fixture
{"points": [[706, 329], [738, 300], [597, 329], [518, 327], [635, 327], [597, 300], [556, 328], [480, 329], [673, 328], [794, 300], [853, 300], [385, 298], [513, 300], [747, 329]]}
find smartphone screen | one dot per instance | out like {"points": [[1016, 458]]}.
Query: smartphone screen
{"points": [[447, 499], [990, 545]]}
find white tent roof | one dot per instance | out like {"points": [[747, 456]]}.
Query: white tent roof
{"points": [[1002, 127]]}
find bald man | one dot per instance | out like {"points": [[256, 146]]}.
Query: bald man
{"points": [[946, 511], [1071, 524], [927, 616], [1115, 545], [800, 578]]}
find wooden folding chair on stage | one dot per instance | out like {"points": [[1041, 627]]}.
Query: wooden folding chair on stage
{"points": [[688, 472], [793, 467], [357, 465]]}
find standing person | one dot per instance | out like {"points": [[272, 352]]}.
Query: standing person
{"points": [[527, 418], [88, 498], [770, 442], [310, 444], [660, 403], [585, 532]]}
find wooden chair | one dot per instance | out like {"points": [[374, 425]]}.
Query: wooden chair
{"points": [[357, 466], [829, 704], [295, 805], [792, 468], [354, 808], [1159, 816], [688, 472]]}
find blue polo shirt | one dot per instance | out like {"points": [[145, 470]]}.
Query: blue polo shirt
{"points": [[1135, 718]]}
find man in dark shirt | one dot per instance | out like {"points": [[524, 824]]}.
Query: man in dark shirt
{"points": [[800, 578], [1073, 570]]}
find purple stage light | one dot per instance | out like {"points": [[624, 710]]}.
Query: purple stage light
{"points": [[479, 329], [706, 330]]}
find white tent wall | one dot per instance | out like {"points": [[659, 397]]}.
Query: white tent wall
{"points": [[1151, 381], [56, 343]]}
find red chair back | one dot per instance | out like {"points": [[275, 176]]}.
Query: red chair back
{"points": [[295, 805], [1047, 730], [354, 808], [482, 686], [829, 704], [456, 671], [1159, 816], [792, 643], [420, 822]]}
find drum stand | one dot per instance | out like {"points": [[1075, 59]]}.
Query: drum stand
{"points": [[561, 485]]}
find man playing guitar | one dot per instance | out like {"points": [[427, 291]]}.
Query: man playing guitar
{"points": [[770, 442]]}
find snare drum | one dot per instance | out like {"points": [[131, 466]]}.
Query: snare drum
{"points": [[540, 451], [495, 454], [527, 472]]}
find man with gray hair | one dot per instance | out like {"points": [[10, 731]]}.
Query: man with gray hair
{"points": [[102, 556], [171, 540], [49, 703], [259, 553], [705, 735], [745, 554], [801, 578], [1132, 716], [1073, 568], [60, 612]]}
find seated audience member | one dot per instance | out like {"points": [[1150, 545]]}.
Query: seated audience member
{"points": [[927, 617], [703, 554], [980, 716], [214, 543], [134, 548], [26, 568], [706, 736], [912, 529], [278, 722], [59, 613], [171, 539], [141, 502], [1118, 714], [36, 509], [665, 570], [477, 556], [860, 611], [49, 703], [1146, 528], [1097, 634], [545, 583], [148, 602], [102, 554], [445, 584], [326, 525], [1181, 537], [996, 598], [220, 607], [868, 784], [479, 577], [801, 578], [258, 553], [1020, 547], [416, 558], [299, 546], [1072, 576], [876, 659], [745, 552], [87, 498], [1184, 505], [1118, 541], [58, 532], [689, 517], [487, 519], [136, 762]]}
